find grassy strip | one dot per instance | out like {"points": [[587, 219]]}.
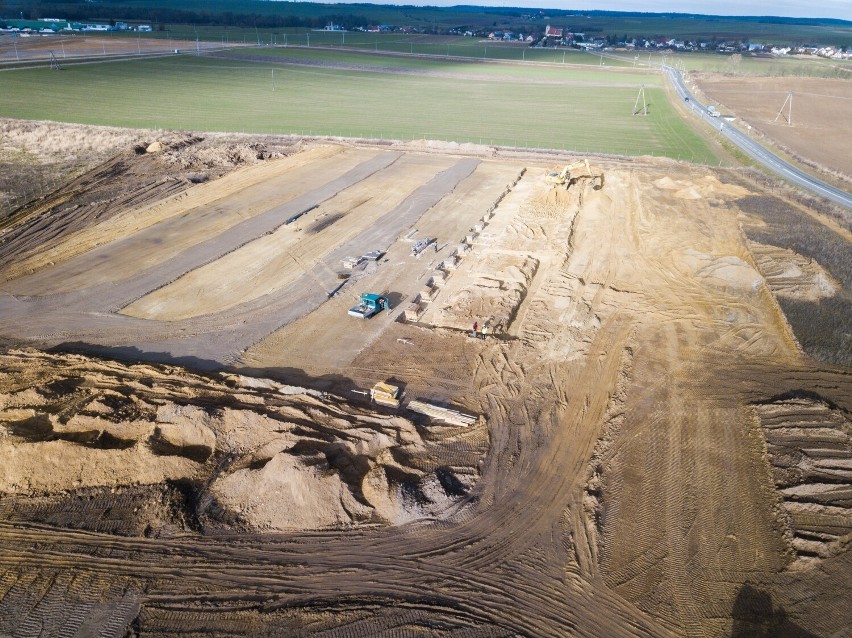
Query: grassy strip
{"points": [[195, 93], [557, 71]]}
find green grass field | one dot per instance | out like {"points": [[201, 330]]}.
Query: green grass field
{"points": [[549, 70], [584, 110], [747, 64], [457, 46], [417, 44]]}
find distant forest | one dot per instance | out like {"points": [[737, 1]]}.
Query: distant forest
{"points": [[264, 14]]}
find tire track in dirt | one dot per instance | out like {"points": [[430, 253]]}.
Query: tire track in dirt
{"points": [[494, 575], [686, 510], [247, 322]]}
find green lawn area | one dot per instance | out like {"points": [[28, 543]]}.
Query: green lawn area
{"points": [[585, 113]]}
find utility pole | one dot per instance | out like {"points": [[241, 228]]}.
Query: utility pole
{"points": [[644, 109], [789, 116]]}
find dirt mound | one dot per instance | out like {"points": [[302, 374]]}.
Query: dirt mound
{"points": [[264, 456], [727, 272], [707, 187], [792, 275], [439, 146], [129, 181], [553, 202], [808, 446], [497, 286]]}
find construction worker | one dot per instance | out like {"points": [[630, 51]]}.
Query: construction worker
{"points": [[475, 328], [484, 331]]}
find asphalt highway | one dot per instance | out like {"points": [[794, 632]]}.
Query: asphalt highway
{"points": [[757, 151]]}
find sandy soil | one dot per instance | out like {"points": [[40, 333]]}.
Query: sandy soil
{"points": [[276, 260], [821, 117], [264, 451], [654, 454]]}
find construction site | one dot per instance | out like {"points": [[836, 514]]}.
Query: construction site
{"points": [[248, 398]]}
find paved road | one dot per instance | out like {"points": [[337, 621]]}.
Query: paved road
{"points": [[756, 151]]}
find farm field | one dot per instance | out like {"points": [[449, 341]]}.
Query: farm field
{"points": [[637, 447], [21, 51], [821, 116], [745, 65], [587, 111], [769, 66], [421, 48]]}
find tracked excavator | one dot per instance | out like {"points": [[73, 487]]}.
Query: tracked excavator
{"points": [[575, 172]]}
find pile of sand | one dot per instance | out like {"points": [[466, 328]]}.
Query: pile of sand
{"points": [[496, 286], [726, 272], [792, 275], [551, 203], [708, 187], [261, 455]]}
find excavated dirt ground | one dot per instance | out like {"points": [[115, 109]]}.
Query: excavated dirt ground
{"points": [[655, 452]]}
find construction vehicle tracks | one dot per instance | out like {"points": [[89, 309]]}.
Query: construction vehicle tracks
{"points": [[650, 451]]}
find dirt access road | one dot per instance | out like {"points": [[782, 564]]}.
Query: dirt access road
{"points": [[655, 445]]}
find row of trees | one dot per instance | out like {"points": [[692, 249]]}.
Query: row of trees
{"points": [[164, 15]]}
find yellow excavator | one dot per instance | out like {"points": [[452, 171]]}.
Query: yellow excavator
{"points": [[575, 172]]}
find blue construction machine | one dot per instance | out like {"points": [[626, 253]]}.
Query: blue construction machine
{"points": [[368, 306]]}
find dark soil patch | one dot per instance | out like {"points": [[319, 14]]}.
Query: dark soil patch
{"points": [[823, 328], [323, 223]]}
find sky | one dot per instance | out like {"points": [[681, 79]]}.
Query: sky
{"points": [[789, 8]]}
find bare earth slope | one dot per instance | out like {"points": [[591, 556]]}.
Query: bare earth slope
{"points": [[653, 452]]}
